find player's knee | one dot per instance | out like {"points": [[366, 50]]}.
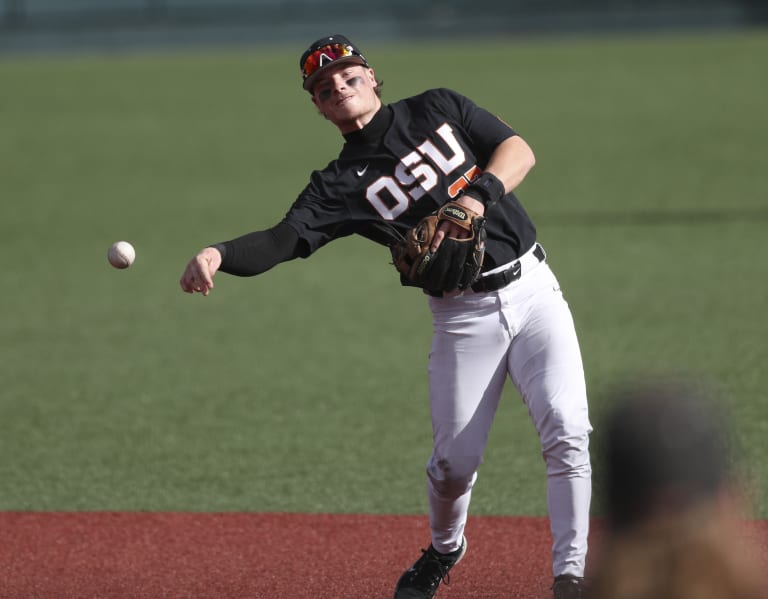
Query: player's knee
{"points": [[564, 437], [452, 477], [568, 457]]}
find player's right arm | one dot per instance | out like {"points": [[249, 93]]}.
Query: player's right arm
{"points": [[313, 220], [244, 256]]}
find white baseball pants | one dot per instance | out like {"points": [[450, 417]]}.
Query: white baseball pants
{"points": [[524, 331]]}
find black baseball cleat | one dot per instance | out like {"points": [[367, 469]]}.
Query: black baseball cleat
{"points": [[568, 587], [421, 580]]}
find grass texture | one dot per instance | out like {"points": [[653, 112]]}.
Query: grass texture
{"points": [[304, 389]]}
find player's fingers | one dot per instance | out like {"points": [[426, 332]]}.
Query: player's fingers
{"points": [[445, 229], [205, 279], [204, 287], [204, 272], [193, 278], [190, 286], [437, 238], [457, 232], [186, 281], [199, 286]]}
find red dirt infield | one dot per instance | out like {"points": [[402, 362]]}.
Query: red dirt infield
{"points": [[136, 555]]}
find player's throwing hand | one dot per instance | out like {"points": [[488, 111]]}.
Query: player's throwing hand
{"points": [[198, 275]]}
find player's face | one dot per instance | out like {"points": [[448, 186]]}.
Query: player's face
{"points": [[346, 96]]}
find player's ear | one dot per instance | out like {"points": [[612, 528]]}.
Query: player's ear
{"points": [[375, 83]]}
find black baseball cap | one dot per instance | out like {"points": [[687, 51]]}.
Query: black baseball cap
{"points": [[326, 51]]}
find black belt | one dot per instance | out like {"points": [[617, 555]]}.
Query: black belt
{"points": [[503, 278]]}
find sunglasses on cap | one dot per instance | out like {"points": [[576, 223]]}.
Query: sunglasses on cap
{"points": [[322, 56]]}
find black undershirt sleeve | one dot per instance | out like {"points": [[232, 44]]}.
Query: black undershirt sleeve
{"points": [[257, 252]]}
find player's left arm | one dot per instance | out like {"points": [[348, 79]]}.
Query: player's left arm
{"points": [[508, 165], [509, 157]]}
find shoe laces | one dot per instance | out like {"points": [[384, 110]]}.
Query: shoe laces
{"points": [[431, 569]]}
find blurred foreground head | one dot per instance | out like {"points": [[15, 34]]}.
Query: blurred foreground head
{"points": [[667, 449], [676, 528]]}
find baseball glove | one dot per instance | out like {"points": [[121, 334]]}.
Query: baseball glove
{"points": [[456, 263]]}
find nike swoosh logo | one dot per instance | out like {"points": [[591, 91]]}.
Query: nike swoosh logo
{"points": [[361, 172]]}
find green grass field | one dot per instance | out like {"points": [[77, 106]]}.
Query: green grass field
{"points": [[305, 389]]}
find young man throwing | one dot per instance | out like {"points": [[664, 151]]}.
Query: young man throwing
{"points": [[400, 163]]}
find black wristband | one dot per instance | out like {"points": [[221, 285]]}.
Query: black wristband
{"points": [[487, 188]]}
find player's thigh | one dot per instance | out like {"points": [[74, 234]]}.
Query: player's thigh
{"points": [[467, 371], [546, 366]]}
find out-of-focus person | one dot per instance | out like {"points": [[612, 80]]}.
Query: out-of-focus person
{"points": [[675, 513]]}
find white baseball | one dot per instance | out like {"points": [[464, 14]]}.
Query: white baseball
{"points": [[121, 254]]}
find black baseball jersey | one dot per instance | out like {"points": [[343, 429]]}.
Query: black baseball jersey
{"points": [[414, 156], [434, 144]]}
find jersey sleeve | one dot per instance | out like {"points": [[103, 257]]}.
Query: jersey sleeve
{"points": [[485, 129], [257, 252], [319, 215]]}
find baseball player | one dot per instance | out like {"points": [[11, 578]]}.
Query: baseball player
{"points": [[400, 163]]}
